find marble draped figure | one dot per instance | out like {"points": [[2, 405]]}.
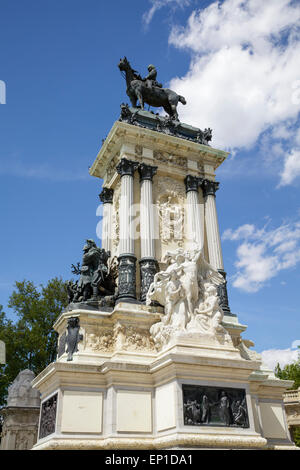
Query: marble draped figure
{"points": [[187, 289]]}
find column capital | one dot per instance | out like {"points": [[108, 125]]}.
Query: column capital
{"points": [[209, 187], [126, 167], [146, 172], [192, 183], [106, 195]]}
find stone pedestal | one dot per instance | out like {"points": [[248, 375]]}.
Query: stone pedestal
{"points": [[120, 392], [20, 428], [21, 415]]}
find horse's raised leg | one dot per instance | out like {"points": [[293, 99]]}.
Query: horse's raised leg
{"points": [[140, 98], [133, 99], [174, 112], [168, 109]]}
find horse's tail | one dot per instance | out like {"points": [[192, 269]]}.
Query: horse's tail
{"points": [[182, 99]]}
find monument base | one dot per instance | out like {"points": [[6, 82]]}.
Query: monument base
{"points": [[120, 392]]}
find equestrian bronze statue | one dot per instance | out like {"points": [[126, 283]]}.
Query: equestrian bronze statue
{"points": [[149, 91]]}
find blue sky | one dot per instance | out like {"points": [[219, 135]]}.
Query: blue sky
{"points": [[237, 64]]}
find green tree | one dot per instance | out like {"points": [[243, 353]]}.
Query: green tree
{"points": [[30, 340], [291, 372]]}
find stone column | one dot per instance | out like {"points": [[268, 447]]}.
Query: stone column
{"points": [[106, 197], [148, 263], [193, 210], [127, 259], [213, 237]]}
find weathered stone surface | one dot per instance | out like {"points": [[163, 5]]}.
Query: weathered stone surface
{"points": [[21, 415], [20, 392]]}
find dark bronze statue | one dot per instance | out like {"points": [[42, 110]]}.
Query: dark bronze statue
{"points": [[149, 91], [73, 337], [96, 280], [207, 405], [151, 77]]}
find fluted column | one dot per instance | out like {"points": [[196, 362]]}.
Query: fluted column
{"points": [[212, 225], [194, 225], [213, 237], [148, 263], [127, 259], [106, 197]]}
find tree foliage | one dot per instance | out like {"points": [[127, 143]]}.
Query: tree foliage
{"points": [[30, 340], [289, 372]]}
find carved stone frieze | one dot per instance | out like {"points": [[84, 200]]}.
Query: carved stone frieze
{"points": [[167, 158], [99, 339], [118, 336], [138, 339], [48, 417], [138, 150], [214, 406]]}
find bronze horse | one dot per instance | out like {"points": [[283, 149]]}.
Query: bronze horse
{"points": [[154, 96]]}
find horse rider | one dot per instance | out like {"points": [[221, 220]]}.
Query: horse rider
{"points": [[151, 77]]}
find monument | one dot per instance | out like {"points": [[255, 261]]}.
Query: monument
{"points": [[21, 414], [150, 355]]}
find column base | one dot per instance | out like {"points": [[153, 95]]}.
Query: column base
{"points": [[127, 278], [148, 269], [223, 295]]}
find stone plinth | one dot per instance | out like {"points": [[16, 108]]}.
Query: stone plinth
{"points": [[120, 392], [20, 427]]}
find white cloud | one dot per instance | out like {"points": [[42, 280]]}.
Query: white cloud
{"points": [[242, 232], [271, 357], [263, 253], [16, 167], [243, 70], [158, 4], [291, 169]]}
